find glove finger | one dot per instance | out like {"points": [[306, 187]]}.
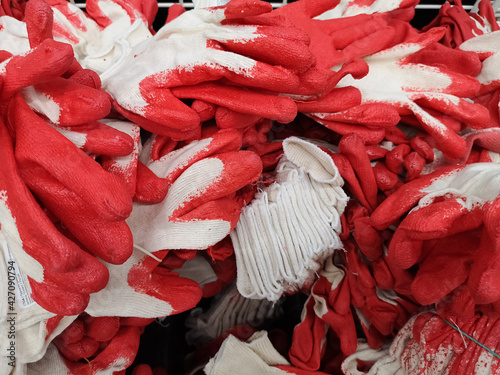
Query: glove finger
{"points": [[227, 118], [39, 20], [276, 46], [78, 172], [149, 187], [368, 136], [337, 100], [223, 174], [118, 355], [445, 268], [164, 114], [404, 199], [472, 114], [282, 109], [353, 147], [102, 328], [28, 69], [403, 250], [109, 240], [441, 219], [58, 301], [66, 103], [85, 348], [447, 140], [99, 139], [372, 115]]}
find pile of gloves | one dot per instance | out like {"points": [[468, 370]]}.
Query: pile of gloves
{"points": [[240, 157]]}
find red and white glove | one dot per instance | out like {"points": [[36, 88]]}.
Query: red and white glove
{"points": [[350, 8], [104, 35], [291, 226], [256, 356], [208, 44], [401, 79], [111, 342], [428, 345], [61, 274], [462, 25], [446, 210], [28, 327], [198, 211], [488, 50]]}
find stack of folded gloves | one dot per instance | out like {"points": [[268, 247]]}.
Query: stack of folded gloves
{"points": [[326, 149]]}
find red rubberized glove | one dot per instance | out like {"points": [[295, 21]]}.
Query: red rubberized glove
{"points": [[91, 202], [13, 9], [308, 340], [432, 94], [450, 206], [461, 25], [114, 354], [428, 344], [253, 56], [198, 211], [488, 50], [61, 274]]}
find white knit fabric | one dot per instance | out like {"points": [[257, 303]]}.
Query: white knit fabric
{"points": [[13, 36], [351, 8], [228, 309], [284, 235], [251, 358], [100, 50], [486, 44]]}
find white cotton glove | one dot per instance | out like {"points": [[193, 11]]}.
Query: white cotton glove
{"points": [[228, 309], [257, 356], [288, 230]]}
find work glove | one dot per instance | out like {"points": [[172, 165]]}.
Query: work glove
{"points": [[256, 356], [91, 202], [432, 94], [486, 46], [429, 344], [253, 57], [92, 346], [61, 275], [291, 226], [448, 208], [462, 25], [198, 211], [28, 328], [104, 35]]}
